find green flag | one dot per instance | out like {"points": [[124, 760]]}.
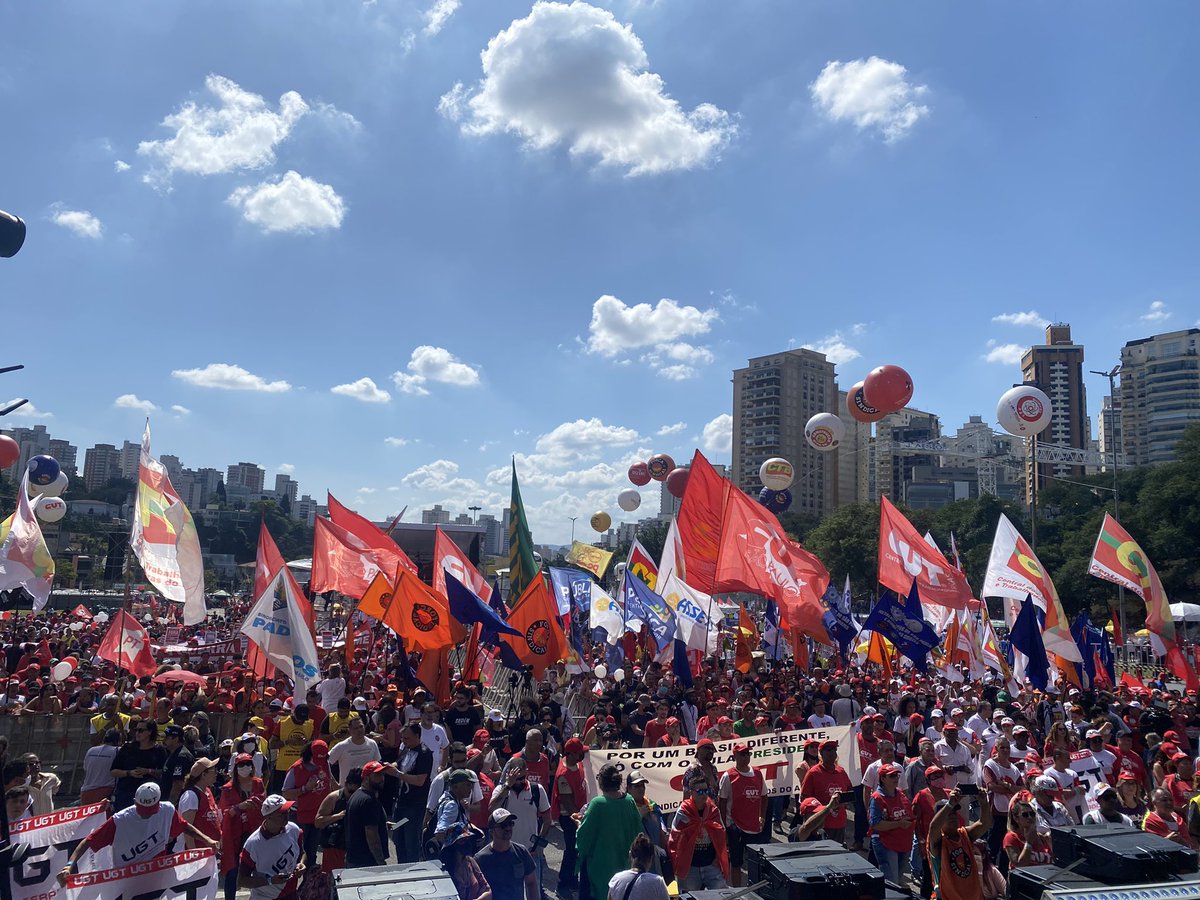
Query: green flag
{"points": [[521, 566]]}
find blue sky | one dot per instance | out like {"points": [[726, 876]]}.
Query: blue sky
{"points": [[553, 231]]}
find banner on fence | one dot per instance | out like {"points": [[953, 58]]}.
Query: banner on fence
{"points": [[51, 839], [191, 875], [776, 755]]}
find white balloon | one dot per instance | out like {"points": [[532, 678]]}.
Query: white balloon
{"points": [[61, 671], [56, 487], [100, 617], [147, 618], [619, 675], [600, 671], [824, 432], [1024, 411], [76, 626], [629, 500], [777, 474], [50, 509]]}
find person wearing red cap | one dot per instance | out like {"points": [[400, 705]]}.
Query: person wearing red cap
{"points": [[889, 814], [240, 800], [824, 780], [742, 799], [366, 821], [568, 798], [307, 782], [1179, 783], [702, 767], [954, 756], [270, 865], [924, 806], [674, 736]]}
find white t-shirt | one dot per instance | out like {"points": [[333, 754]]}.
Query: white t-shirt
{"points": [[647, 886], [278, 855], [1107, 761], [97, 767], [331, 690], [871, 776], [845, 710], [815, 721], [528, 821], [994, 772], [347, 755], [949, 757], [434, 737]]}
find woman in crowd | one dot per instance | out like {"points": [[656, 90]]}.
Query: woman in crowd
{"points": [[697, 842], [994, 884], [1023, 843], [98, 778], [1129, 797], [890, 818], [462, 842], [307, 783], [638, 882], [197, 804], [241, 800]]}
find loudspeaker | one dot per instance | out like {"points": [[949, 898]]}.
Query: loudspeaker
{"points": [[840, 876], [1029, 882], [1118, 854], [757, 855]]}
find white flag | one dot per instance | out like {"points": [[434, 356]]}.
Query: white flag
{"points": [[276, 624], [697, 615], [25, 560], [606, 614]]}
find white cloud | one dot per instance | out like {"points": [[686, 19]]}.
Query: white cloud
{"points": [[228, 377], [1007, 354], [28, 411], [718, 434], [438, 14], [121, 166], [582, 439], [617, 328], [1157, 312], [835, 348], [434, 364], [396, 441], [132, 401], [292, 203], [180, 410], [364, 389], [80, 221], [286, 468], [239, 132], [573, 75], [366, 490], [671, 429], [1031, 317], [870, 94]]}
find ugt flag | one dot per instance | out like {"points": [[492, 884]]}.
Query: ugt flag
{"points": [[904, 625], [277, 625]]}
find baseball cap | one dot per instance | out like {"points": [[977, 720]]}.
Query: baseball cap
{"points": [[826, 745], [1020, 729], [257, 722], [950, 726], [932, 771], [916, 717], [360, 703], [936, 714], [320, 749], [1103, 789], [202, 765], [741, 747], [243, 759], [372, 767], [888, 769], [704, 742], [500, 816], [724, 720], [458, 776], [173, 731], [809, 805], [1093, 733], [495, 716], [1045, 783], [574, 745], [275, 803], [636, 778], [148, 794]]}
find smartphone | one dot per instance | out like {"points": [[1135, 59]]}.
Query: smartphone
{"points": [[969, 790], [845, 796]]}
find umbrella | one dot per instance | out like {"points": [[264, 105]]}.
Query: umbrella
{"points": [[174, 675], [1185, 612]]}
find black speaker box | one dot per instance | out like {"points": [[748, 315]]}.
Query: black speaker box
{"points": [[1029, 882], [757, 855], [1118, 854], [841, 876]]}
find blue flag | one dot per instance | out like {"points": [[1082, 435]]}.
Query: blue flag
{"points": [[905, 626], [572, 589], [837, 619], [615, 655], [1026, 636], [1081, 631], [467, 608], [496, 601], [642, 604], [682, 665]]}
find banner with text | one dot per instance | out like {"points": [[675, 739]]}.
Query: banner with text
{"points": [[776, 755], [51, 840], [191, 875]]}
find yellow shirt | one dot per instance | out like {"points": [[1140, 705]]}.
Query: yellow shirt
{"points": [[102, 723], [292, 736], [339, 723]]}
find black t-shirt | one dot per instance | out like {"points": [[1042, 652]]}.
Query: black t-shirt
{"points": [[131, 757], [364, 813], [462, 724], [506, 872], [176, 768], [418, 761]]}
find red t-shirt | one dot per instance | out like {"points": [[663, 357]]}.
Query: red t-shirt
{"points": [[1181, 790], [822, 783], [1132, 763], [539, 772], [923, 808], [868, 752], [745, 791], [1042, 854], [578, 789], [654, 730], [895, 808]]}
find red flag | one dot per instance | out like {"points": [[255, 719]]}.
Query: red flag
{"points": [[904, 556], [800, 650], [1101, 680], [701, 515], [366, 531], [42, 653], [342, 562], [447, 557], [1118, 634], [471, 658], [1178, 665], [535, 615], [127, 645], [1131, 681], [82, 612]]}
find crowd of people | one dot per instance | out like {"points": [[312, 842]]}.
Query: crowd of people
{"points": [[365, 768]]}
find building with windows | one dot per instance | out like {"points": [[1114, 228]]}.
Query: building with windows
{"points": [[246, 475], [67, 455], [773, 399], [101, 464], [1056, 367], [1159, 395]]}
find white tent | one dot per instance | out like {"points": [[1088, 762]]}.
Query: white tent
{"points": [[1185, 612]]}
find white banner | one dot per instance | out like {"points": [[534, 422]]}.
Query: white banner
{"points": [[51, 840], [776, 755], [191, 875]]}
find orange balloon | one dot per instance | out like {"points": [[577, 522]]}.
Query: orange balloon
{"points": [[888, 388], [858, 407]]}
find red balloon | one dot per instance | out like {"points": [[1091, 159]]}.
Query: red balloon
{"points": [[858, 407], [660, 466], [888, 388], [10, 451], [677, 481], [639, 474]]}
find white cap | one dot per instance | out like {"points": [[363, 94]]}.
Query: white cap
{"points": [[148, 794]]}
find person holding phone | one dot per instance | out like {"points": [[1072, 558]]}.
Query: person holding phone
{"points": [[951, 847], [824, 780]]}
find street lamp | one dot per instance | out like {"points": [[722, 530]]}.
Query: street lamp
{"points": [[1111, 375], [475, 510], [572, 518]]}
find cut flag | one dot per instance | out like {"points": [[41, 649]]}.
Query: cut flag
{"points": [[126, 645], [522, 568], [641, 564], [540, 641], [412, 609], [367, 531], [276, 624], [593, 559], [25, 560], [342, 562], [1118, 558], [606, 614], [904, 556], [269, 562], [164, 538]]}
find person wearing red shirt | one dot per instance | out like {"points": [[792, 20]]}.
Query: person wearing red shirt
{"points": [[657, 726], [568, 797], [240, 801], [536, 762], [742, 798], [924, 806], [1165, 822], [308, 782], [868, 752], [674, 736], [1129, 760], [823, 781], [1179, 782], [1024, 845], [890, 818]]}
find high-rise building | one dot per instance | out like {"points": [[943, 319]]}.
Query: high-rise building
{"points": [[853, 458], [101, 463], [67, 455], [894, 470], [1056, 367], [286, 486], [306, 510], [174, 469], [1110, 429], [131, 455], [436, 516], [493, 535], [196, 487], [246, 475], [773, 399], [32, 442], [1159, 394]]}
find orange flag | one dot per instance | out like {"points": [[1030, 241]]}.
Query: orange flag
{"points": [[878, 652], [542, 641], [747, 640], [434, 673], [412, 609]]}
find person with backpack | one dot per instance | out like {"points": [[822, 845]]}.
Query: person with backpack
{"points": [[530, 803], [331, 820]]}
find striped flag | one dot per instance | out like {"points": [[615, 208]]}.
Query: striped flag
{"points": [[521, 565]]}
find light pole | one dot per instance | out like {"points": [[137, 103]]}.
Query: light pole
{"points": [[1111, 375], [475, 511], [572, 518]]}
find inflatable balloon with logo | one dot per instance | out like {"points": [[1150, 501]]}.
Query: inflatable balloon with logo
{"points": [[660, 466], [824, 432], [777, 473], [858, 407], [639, 474], [601, 521], [1024, 411], [776, 501], [629, 500], [677, 480], [888, 388]]}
